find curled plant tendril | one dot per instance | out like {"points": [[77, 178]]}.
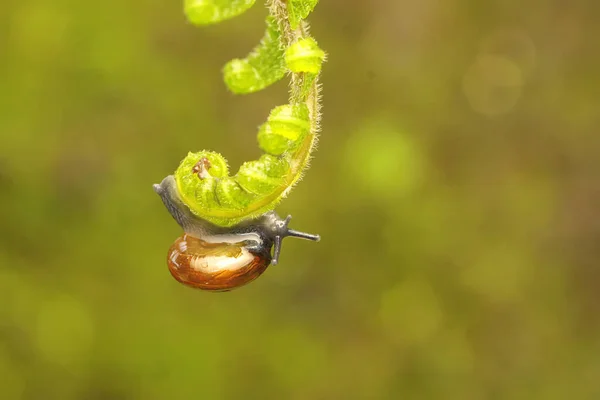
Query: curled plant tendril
{"points": [[287, 137]]}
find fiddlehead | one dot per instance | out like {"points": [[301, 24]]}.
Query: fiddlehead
{"points": [[201, 195], [289, 134]]}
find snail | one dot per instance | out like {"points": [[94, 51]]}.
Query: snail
{"points": [[216, 258]]}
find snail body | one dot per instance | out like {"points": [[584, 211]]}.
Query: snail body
{"points": [[216, 258]]}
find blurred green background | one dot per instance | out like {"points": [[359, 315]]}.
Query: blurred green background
{"points": [[456, 189]]}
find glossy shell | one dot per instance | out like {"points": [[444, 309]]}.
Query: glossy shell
{"points": [[214, 266]]}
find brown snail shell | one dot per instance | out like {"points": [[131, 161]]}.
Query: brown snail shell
{"points": [[214, 266]]}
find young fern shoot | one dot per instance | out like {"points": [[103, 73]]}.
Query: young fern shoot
{"points": [[228, 220]]}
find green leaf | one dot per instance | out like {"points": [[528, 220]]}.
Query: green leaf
{"points": [[305, 56], [264, 66], [206, 12], [264, 175], [284, 130], [299, 10]]}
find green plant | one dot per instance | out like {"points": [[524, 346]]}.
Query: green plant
{"points": [[288, 136]]}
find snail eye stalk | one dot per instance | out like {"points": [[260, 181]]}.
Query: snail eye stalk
{"points": [[304, 235], [282, 231]]}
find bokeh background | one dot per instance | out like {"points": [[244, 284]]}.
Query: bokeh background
{"points": [[456, 188]]}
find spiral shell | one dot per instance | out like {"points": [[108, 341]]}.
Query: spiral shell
{"points": [[214, 266]]}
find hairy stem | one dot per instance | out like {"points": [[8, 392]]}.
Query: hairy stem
{"points": [[278, 9]]}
